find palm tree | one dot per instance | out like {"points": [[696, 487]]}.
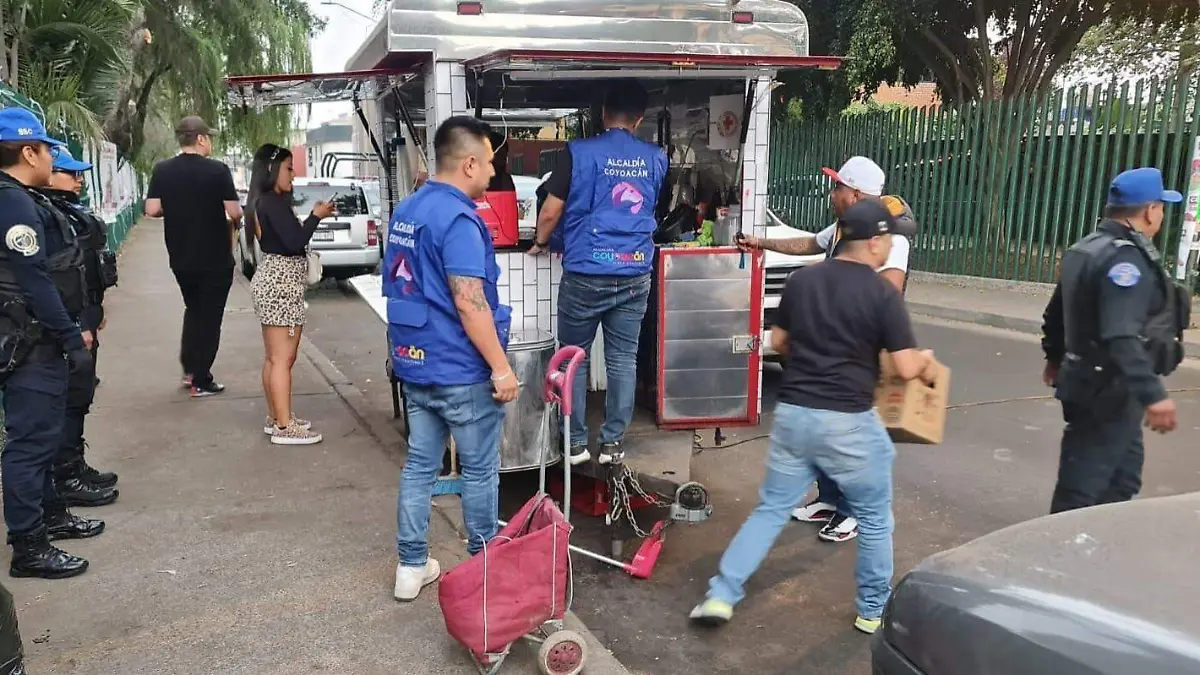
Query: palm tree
{"points": [[62, 53]]}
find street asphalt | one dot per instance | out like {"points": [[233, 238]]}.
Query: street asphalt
{"points": [[995, 468]]}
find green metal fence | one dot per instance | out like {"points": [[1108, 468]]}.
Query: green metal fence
{"points": [[1000, 188]]}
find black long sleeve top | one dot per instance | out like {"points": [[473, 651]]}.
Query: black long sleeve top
{"points": [[282, 231]]}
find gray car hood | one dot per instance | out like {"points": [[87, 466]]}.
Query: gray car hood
{"points": [[1107, 590]]}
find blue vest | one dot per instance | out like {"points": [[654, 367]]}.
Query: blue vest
{"points": [[429, 345], [608, 226]]}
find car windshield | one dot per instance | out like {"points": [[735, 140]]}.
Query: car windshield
{"points": [[350, 200]]}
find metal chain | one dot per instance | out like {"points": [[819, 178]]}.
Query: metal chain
{"points": [[620, 499]]}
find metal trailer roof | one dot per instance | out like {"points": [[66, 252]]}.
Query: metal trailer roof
{"points": [[440, 27]]}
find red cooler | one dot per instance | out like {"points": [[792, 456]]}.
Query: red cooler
{"points": [[501, 215]]}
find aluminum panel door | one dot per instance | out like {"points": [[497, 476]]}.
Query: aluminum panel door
{"points": [[709, 322]]}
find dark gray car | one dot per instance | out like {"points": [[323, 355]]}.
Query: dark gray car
{"points": [[1109, 590]]}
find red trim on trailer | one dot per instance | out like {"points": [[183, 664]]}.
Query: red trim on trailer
{"points": [[757, 276], [498, 58]]}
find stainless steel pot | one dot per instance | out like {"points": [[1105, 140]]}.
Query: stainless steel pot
{"points": [[528, 430]]}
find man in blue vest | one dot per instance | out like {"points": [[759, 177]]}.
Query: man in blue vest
{"points": [[603, 195], [450, 332]]}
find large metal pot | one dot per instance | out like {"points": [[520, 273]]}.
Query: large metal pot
{"points": [[528, 430]]}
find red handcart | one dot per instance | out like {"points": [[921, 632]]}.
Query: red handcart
{"points": [[519, 585]]}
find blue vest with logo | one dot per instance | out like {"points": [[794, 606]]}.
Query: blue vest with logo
{"points": [[429, 345], [608, 226]]}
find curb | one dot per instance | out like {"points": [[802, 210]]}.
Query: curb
{"points": [[600, 658], [981, 318], [1030, 326]]}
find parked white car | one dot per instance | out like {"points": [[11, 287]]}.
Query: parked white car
{"points": [[347, 242]]}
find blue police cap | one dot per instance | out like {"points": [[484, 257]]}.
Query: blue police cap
{"points": [[18, 124], [1140, 186], [64, 161]]}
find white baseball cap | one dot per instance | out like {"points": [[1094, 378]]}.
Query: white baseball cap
{"points": [[861, 174]]}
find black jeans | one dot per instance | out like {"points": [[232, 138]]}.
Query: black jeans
{"points": [[1102, 452], [205, 293]]}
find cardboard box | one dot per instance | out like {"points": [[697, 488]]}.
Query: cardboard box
{"points": [[912, 411]]}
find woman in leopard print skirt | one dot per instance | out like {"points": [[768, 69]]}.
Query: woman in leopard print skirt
{"points": [[279, 284]]}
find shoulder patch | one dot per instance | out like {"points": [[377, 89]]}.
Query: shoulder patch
{"points": [[1124, 274], [22, 239], [1122, 242]]}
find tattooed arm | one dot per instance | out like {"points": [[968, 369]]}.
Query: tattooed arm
{"points": [[805, 245], [477, 321]]}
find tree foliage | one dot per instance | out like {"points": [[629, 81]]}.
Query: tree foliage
{"points": [[1138, 48], [972, 49], [114, 68]]}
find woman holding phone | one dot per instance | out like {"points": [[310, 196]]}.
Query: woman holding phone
{"points": [[279, 284]]}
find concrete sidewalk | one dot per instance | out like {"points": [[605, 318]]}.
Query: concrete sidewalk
{"points": [[1011, 305], [226, 553]]}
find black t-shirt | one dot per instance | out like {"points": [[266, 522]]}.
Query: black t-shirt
{"points": [[193, 190], [839, 315]]}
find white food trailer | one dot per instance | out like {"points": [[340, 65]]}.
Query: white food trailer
{"points": [[709, 66]]}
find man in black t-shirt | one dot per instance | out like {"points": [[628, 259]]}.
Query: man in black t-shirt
{"points": [[197, 200], [834, 320]]}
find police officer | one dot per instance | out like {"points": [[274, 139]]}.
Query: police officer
{"points": [[1113, 326], [77, 482], [40, 281], [449, 333], [603, 196]]}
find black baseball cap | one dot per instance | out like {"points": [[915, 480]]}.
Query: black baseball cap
{"points": [[866, 219]]}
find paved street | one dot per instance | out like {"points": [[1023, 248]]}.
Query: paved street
{"points": [[995, 469]]}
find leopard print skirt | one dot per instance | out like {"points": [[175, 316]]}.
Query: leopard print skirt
{"points": [[278, 290]]}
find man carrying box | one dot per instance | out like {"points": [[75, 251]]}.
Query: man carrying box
{"points": [[834, 320]]}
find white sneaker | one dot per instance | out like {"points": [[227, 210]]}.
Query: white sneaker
{"points": [[410, 580], [269, 424], [294, 434], [841, 528], [816, 512]]}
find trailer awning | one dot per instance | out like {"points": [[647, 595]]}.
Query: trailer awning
{"points": [[260, 91], [534, 65]]}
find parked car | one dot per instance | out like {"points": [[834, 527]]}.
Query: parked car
{"points": [[1107, 590], [348, 242]]}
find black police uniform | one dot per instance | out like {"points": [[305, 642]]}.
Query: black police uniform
{"points": [[76, 482], [40, 280], [1113, 326]]}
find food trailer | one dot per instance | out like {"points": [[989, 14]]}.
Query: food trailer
{"points": [[709, 66]]}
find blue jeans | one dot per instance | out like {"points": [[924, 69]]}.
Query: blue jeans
{"points": [[474, 419], [828, 492], [854, 450], [617, 304]]}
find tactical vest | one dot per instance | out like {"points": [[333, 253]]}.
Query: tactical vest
{"points": [[1084, 267], [66, 265], [91, 232]]}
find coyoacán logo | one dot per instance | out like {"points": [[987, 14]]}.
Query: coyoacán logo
{"points": [[410, 353]]}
